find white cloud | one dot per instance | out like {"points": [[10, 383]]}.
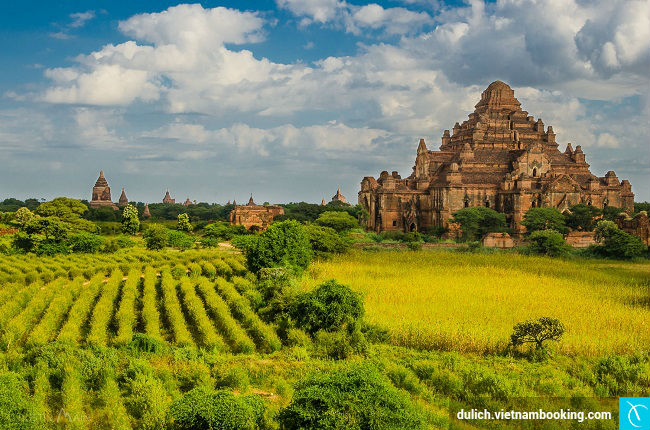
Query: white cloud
{"points": [[79, 19], [355, 19]]}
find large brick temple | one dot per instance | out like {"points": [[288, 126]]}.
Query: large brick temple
{"points": [[501, 158]]}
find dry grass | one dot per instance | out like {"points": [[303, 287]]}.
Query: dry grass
{"points": [[469, 302]]}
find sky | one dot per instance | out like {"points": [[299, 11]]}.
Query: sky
{"points": [[290, 99]]}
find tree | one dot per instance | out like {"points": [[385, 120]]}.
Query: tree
{"points": [[537, 332], [339, 221], [23, 216], [325, 241], [50, 227], [284, 244], [355, 398], [179, 239], [478, 221], [616, 243], [330, 307], [184, 222], [548, 242], [610, 213], [581, 217], [130, 220], [544, 219], [155, 237], [223, 230], [85, 242], [63, 208], [202, 408]]}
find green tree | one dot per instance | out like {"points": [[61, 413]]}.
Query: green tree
{"points": [[544, 219], [284, 244], [476, 222], [330, 307], [64, 208], [357, 398], [641, 206], [179, 239], [537, 332], [338, 221], [616, 243], [130, 220], [85, 242], [548, 242], [325, 241], [184, 222], [202, 408], [155, 237], [582, 217], [610, 213], [23, 216], [50, 227]]}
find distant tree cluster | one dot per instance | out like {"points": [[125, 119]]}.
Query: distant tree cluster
{"points": [[309, 212]]}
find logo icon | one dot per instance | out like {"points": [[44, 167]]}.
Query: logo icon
{"points": [[634, 413]]}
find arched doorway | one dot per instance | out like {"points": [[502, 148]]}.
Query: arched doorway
{"points": [[413, 227]]}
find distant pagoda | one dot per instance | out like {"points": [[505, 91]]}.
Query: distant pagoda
{"points": [[123, 199], [338, 197], [101, 195], [145, 212], [188, 202], [168, 198]]}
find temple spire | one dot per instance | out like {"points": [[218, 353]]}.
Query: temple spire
{"points": [[250, 201], [123, 201]]}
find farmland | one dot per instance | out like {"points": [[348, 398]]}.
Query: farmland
{"points": [[93, 341], [470, 302]]}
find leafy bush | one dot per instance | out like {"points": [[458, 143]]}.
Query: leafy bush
{"points": [[148, 402], [537, 332], [201, 408], [544, 219], [325, 241], [330, 307], [155, 237], [616, 243], [179, 240], [183, 223], [341, 344], [338, 221], [476, 222], [130, 220], [284, 244], [85, 242], [356, 398], [16, 409], [581, 217], [548, 242], [223, 231], [51, 247]]}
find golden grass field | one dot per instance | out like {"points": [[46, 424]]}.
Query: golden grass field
{"points": [[469, 302]]}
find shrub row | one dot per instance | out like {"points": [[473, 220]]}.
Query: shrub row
{"points": [[126, 315], [150, 314], [182, 335], [71, 330], [236, 336], [209, 337], [265, 337], [98, 335]]}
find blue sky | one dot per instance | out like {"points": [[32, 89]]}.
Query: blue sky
{"points": [[289, 99]]}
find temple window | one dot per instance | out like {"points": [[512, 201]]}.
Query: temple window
{"points": [[394, 223], [534, 172], [487, 203]]}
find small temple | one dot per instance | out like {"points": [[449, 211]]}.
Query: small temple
{"points": [[168, 198], [145, 212], [123, 199], [187, 202], [101, 194], [338, 197], [254, 216]]}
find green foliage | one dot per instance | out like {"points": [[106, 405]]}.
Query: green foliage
{"points": [[51, 227], [339, 345], [183, 223], [130, 220], [338, 221], [641, 206], [155, 237], [64, 208], [544, 219], [180, 240], [148, 402], [12, 205], [16, 408], [356, 398], [308, 212], [476, 222], [611, 212], [582, 217], [325, 241], [51, 247], [548, 242], [85, 242], [330, 307], [23, 242], [23, 216], [223, 231], [205, 409], [284, 244], [537, 332], [616, 243]]}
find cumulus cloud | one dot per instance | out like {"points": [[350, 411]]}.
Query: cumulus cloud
{"points": [[355, 19], [79, 19]]}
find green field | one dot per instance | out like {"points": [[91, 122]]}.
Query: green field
{"points": [[111, 341], [441, 300]]}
